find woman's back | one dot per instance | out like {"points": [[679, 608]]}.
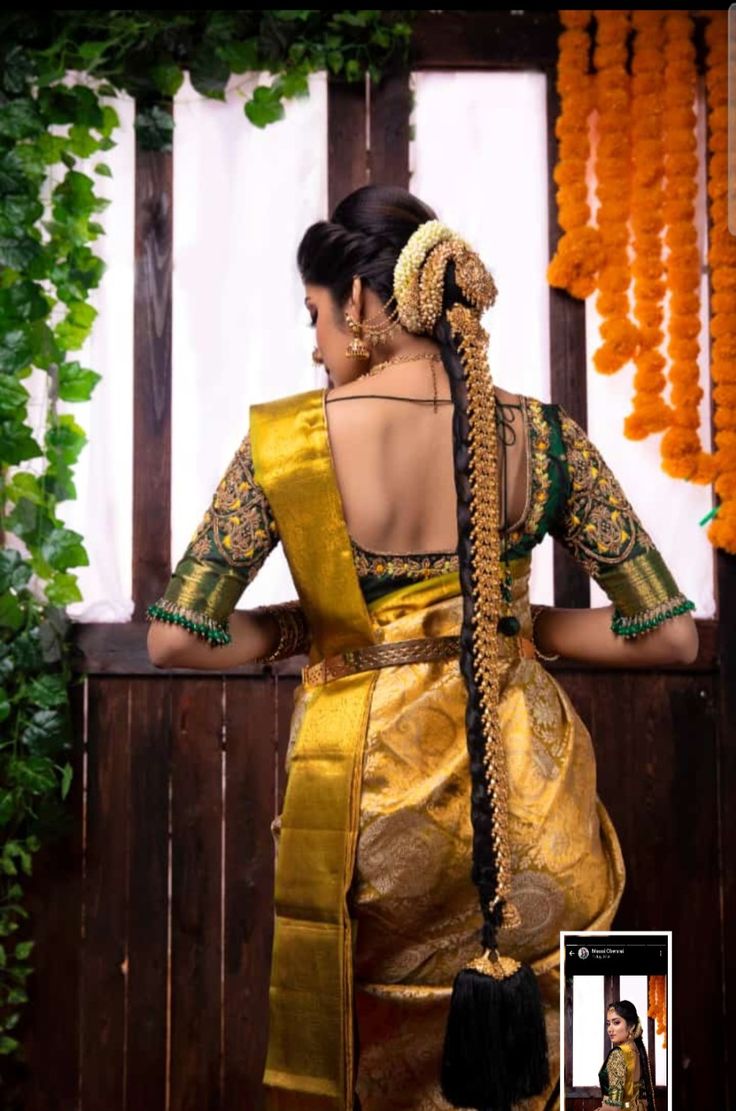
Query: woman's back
{"points": [[393, 462]]}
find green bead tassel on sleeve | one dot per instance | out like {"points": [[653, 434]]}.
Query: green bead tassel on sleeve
{"points": [[198, 623], [641, 623]]}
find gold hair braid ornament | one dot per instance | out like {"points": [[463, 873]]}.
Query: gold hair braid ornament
{"points": [[419, 279], [472, 341], [496, 1014], [419, 276]]}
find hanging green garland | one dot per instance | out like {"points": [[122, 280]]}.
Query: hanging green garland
{"points": [[48, 211]]}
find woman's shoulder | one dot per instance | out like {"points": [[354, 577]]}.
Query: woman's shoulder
{"points": [[623, 1055], [529, 399], [292, 401]]}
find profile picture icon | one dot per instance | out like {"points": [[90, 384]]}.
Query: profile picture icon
{"points": [[583, 952]]}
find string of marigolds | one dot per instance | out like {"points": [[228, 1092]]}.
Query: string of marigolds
{"points": [[657, 1004], [613, 189], [650, 412], [722, 266], [681, 448], [579, 252]]}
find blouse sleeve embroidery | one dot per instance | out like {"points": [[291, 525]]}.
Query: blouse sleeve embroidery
{"points": [[598, 525], [225, 553], [616, 1068]]}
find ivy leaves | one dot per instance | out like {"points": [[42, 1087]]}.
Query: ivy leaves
{"points": [[147, 54]]}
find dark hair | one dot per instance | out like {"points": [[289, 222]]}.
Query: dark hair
{"points": [[628, 1012], [364, 237]]}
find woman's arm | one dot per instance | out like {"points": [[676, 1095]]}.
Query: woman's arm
{"points": [[648, 622], [194, 624], [586, 635], [254, 635]]}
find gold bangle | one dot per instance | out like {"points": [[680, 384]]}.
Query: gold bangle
{"points": [[541, 654], [294, 636]]}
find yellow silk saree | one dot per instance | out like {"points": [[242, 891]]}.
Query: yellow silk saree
{"points": [[375, 910]]}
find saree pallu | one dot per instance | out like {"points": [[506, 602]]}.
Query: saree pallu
{"points": [[415, 912]]}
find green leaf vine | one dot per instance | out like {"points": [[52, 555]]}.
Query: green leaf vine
{"points": [[48, 221]]}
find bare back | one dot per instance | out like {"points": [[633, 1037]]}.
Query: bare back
{"points": [[393, 460]]}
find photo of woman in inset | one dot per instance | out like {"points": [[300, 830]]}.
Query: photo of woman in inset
{"points": [[615, 1026], [625, 1078]]}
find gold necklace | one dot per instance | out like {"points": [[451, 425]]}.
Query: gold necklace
{"points": [[433, 358]]}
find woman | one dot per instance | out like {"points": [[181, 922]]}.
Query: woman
{"points": [[626, 1080], [432, 757]]}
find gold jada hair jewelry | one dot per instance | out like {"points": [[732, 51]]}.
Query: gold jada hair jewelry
{"points": [[419, 276]]}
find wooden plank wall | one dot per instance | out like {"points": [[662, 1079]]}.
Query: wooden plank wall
{"points": [[153, 916]]}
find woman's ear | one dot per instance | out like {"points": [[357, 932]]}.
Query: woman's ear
{"points": [[357, 296]]}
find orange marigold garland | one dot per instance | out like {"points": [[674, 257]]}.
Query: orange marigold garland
{"points": [[682, 455], [722, 264], [580, 249], [657, 1005], [650, 412], [589, 258], [613, 172]]}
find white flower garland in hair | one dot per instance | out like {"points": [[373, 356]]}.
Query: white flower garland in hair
{"points": [[419, 276], [407, 270]]}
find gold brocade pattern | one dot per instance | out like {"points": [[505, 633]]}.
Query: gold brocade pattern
{"points": [[538, 448], [417, 912], [600, 524], [414, 912]]}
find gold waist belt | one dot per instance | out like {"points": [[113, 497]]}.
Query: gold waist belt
{"points": [[420, 650]]}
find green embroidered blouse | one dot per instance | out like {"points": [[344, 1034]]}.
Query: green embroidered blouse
{"points": [[613, 1081], [572, 494]]}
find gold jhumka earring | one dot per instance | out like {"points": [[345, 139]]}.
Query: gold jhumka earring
{"points": [[374, 333]]}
